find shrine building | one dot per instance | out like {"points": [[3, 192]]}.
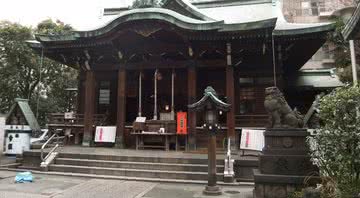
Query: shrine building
{"points": [[153, 62]]}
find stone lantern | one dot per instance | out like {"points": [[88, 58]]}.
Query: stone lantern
{"points": [[210, 104]]}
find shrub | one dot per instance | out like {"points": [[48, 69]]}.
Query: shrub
{"points": [[337, 143]]}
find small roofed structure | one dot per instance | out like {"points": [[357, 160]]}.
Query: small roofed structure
{"points": [[210, 95], [21, 114]]}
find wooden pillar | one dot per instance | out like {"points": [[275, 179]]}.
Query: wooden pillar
{"points": [[230, 94], [79, 96], [121, 108], [191, 114], [89, 108]]}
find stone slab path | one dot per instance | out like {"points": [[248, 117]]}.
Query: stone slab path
{"points": [[51, 186]]}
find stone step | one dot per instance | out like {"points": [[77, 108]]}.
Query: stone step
{"points": [[93, 176], [152, 159], [136, 165], [182, 175]]}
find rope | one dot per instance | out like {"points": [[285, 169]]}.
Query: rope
{"points": [[274, 61], [38, 98]]}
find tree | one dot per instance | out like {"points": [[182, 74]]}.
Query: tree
{"points": [[337, 143], [19, 75], [50, 28], [23, 73]]}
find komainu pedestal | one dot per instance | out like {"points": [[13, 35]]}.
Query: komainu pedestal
{"points": [[284, 165]]}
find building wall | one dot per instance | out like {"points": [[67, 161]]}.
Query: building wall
{"points": [[312, 11], [315, 11]]}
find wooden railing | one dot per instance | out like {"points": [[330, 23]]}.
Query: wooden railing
{"points": [[76, 120], [251, 120]]}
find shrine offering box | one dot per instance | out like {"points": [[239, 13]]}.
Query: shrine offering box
{"points": [[139, 124]]}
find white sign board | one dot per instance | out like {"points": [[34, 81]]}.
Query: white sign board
{"points": [[252, 140], [105, 134], [140, 119], [2, 134]]}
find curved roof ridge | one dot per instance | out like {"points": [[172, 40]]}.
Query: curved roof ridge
{"points": [[139, 14]]}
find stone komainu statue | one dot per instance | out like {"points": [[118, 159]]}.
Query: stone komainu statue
{"points": [[280, 113]]}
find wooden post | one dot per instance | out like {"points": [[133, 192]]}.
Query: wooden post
{"points": [[172, 94], [89, 108], [230, 94], [155, 94], [230, 122], [140, 94], [212, 188], [192, 114], [121, 108]]}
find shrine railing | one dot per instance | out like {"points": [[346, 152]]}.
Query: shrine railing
{"points": [[73, 120], [251, 120]]}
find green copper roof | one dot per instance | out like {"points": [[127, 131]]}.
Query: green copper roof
{"points": [[352, 28], [211, 96], [140, 14], [249, 11], [283, 29], [25, 109], [245, 16], [188, 7]]}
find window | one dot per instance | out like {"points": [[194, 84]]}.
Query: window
{"points": [[305, 5], [314, 9], [104, 93], [247, 100], [246, 81]]}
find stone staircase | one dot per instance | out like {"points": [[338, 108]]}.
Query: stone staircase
{"points": [[136, 167]]}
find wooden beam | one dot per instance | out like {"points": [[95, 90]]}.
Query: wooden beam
{"points": [[191, 100], [89, 108], [121, 108]]}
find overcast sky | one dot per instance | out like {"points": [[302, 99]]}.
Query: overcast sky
{"points": [[81, 14]]}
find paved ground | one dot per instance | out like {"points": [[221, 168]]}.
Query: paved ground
{"points": [[46, 186]]}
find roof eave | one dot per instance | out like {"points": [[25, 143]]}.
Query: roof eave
{"points": [[267, 23], [306, 30]]}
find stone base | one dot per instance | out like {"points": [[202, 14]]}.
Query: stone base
{"points": [[191, 143], [212, 190], [285, 165], [229, 179], [273, 190], [119, 143]]}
